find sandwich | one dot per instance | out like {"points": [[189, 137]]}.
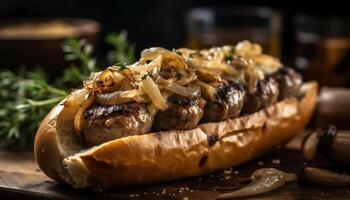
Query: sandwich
{"points": [[173, 114]]}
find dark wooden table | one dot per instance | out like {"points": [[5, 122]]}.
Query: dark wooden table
{"points": [[20, 178]]}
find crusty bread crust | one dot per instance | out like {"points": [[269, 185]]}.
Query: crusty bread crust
{"points": [[162, 156]]}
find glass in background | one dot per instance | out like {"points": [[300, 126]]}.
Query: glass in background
{"points": [[323, 49], [208, 27]]}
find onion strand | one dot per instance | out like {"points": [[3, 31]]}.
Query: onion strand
{"points": [[154, 93]]}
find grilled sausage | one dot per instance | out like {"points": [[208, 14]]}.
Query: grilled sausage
{"points": [[265, 95], [183, 113], [228, 103], [289, 82], [104, 123]]}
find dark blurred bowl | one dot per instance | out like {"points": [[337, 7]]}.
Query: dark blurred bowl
{"points": [[38, 42], [333, 108]]}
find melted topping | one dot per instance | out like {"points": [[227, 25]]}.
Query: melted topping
{"points": [[161, 73]]}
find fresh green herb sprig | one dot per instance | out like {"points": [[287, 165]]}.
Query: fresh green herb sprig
{"points": [[27, 96], [121, 66], [177, 51], [228, 59], [81, 52], [123, 51], [147, 74], [196, 53]]}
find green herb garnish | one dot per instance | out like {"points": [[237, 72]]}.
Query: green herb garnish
{"points": [[147, 74], [27, 96], [121, 66], [233, 50], [123, 51], [81, 52], [177, 51], [178, 76], [228, 59], [196, 53]]}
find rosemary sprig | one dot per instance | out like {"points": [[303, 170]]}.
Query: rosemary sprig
{"points": [[81, 52], [123, 51], [27, 96]]}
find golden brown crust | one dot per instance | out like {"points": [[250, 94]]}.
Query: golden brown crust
{"points": [[170, 155], [46, 148]]}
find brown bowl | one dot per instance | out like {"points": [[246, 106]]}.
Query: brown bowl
{"points": [[38, 42]]}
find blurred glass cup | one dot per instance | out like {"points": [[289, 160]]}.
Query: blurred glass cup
{"points": [[323, 49], [208, 27]]}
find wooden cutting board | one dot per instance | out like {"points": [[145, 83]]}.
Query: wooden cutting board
{"points": [[20, 178]]}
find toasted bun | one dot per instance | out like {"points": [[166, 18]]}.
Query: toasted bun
{"points": [[156, 157]]}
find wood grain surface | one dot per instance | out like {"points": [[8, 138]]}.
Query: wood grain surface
{"points": [[20, 178]]}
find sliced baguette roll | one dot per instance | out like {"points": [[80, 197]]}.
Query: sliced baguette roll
{"points": [[163, 156]]}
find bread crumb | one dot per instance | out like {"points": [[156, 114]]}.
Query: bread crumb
{"points": [[211, 175], [191, 190], [199, 178], [260, 163], [164, 191], [185, 198], [227, 177], [187, 188], [228, 171], [131, 195], [276, 161]]}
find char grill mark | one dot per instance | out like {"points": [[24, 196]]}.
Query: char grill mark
{"points": [[228, 103], [183, 113], [289, 82], [105, 123], [103, 111], [212, 139], [265, 95]]}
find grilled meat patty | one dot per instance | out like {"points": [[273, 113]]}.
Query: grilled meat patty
{"points": [[265, 95], [228, 103], [105, 123], [183, 113], [289, 82]]}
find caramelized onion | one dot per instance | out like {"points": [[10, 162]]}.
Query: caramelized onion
{"points": [[208, 89], [213, 65], [152, 53], [152, 110], [209, 75], [79, 115], [154, 94], [112, 98], [108, 80], [263, 180], [252, 76], [267, 64], [324, 177], [181, 90], [173, 71], [246, 48]]}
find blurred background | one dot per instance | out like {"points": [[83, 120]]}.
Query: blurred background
{"points": [[36, 72], [311, 36]]}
